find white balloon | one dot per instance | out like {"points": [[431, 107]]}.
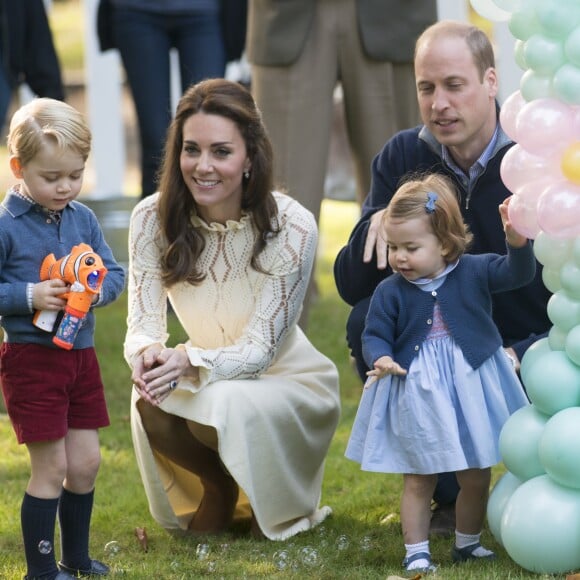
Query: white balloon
{"points": [[490, 10]]}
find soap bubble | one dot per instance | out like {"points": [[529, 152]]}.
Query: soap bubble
{"points": [[342, 542], [112, 548], [202, 551], [366, 544], [44, 547], [282, 559], [309, 556]]}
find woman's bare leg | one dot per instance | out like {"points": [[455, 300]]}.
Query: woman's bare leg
{"points": [[170, 436]]}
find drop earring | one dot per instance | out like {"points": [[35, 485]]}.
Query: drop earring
{"points": [[247, 174]]}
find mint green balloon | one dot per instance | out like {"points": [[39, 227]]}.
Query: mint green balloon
{"points": [[540, 526], [566, 84], [519, 56], [572, 47], [559, 448], [535, 86], [553, 383], [498, 498], [564, 310], [551, 279], [543, 54], [552, 252], [535, 352], [558, 19], [572, 345], [557, 338], [523, 23], [518, 442], [576, 251], [570, 279]]}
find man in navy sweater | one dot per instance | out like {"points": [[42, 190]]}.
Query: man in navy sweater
{"points": [[460, 137]]}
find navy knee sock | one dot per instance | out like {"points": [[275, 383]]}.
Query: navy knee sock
{"points": [[38, 518], [74, 516]]}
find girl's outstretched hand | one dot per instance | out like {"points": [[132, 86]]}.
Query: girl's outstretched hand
{"points": [[514, 239], [382, 367]]}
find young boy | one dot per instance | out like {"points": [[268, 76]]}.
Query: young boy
{"points": [[54, 396]]}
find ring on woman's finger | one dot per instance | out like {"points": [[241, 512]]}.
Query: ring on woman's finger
{"points": [[172, 385]]}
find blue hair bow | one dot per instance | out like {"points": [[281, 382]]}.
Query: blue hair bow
{"points": [[432, 197]]}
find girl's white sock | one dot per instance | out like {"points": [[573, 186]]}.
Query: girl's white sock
{"points": [[413, 549], [464, 540]]}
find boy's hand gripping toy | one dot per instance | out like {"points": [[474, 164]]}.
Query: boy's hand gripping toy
{"points": [[84, 271]]}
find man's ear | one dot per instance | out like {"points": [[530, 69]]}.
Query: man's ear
{"points": [[16, 167], [490, 78]]}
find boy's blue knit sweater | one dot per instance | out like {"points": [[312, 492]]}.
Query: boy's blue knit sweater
{"points": [[27, 235], [401, 314]]}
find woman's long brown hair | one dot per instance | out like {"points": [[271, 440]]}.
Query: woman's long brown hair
{"points": [[176, 204]]}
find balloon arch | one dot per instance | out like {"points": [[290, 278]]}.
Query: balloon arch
{"points": [[534, 508]]}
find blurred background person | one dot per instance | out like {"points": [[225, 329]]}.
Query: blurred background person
{"points": [[27, 53], [300, 50], [144, 32]]}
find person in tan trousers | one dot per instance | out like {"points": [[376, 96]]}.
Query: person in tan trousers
{"points": [[300, 49]]}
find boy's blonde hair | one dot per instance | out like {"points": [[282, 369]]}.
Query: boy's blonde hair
{"points": [[44, 119], [414, 199]]}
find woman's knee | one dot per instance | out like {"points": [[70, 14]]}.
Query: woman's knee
{"points": [[158, 424]]}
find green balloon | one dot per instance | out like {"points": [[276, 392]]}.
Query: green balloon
{"points": [[570, 279], [543, 54], [535, 86], [572, 345], [576, 251], [523, 23], [500, 494], [559, 448], [553, 383], [535, 352], [551, 279], [558, 19], [518, 442], [557, 338], [552, 252], [564, 310], [540, 526], [572, 47], [519, 56], [566, 84]]}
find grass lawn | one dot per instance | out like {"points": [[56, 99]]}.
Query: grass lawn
{"points": [[362, 540]]}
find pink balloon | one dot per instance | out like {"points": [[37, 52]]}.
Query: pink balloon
{"points": [[509, 112], [559, 210], [519, 168], [523, 209], [545, 127], [577, 119]]}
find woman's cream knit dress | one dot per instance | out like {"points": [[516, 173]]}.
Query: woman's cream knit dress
{"points": [[271, 396]]}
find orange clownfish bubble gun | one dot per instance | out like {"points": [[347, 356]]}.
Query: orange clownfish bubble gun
{"points": [[83, 270]]}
